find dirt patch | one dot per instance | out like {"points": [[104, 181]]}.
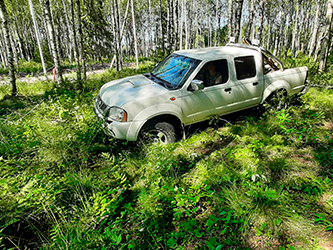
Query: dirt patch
{"points": [[328, 125]]}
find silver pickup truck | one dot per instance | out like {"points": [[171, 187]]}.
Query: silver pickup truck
{"points": [[190, 86]]}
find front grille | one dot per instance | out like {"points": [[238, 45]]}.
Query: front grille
{"points": [[100, 104]]}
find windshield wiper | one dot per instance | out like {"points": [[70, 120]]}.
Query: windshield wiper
{"points": [[160, 80]]}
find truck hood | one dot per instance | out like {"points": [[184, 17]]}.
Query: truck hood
{"points": [[119, 92]]}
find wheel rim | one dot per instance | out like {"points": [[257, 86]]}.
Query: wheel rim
{"points": [[157, 136]]}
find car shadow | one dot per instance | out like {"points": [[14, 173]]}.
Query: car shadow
{"points": [[220, 121]]}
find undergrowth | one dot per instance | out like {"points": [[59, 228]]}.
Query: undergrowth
{"points": [[260, 182]]}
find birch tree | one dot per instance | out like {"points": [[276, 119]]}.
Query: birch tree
{"points": [[230, 19], [80, 42], [315, 29], [238, 15], [134, 36], [10, 60], [326, 38], [32, 11], [52, 40], [261, 20], [75, 43], [250, 29]]}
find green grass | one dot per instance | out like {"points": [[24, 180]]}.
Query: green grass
{"points": [[263, 182]]}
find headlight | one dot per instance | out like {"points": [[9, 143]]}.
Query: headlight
{"points": [[116, 114]]}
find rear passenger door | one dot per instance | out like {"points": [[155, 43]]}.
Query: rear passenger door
{"points": [[248, 81]]}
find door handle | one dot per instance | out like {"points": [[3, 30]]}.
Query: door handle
{"points": [[227, 90], [255, 83]]}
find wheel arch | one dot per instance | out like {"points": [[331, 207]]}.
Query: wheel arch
{"points": [[169, 118], [274, 87]]}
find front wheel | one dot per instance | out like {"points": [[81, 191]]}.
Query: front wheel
{"points": [[160, 132]]}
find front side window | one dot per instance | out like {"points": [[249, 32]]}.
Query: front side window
{"points": [[245, 67], [173, 71], [214, 73]]}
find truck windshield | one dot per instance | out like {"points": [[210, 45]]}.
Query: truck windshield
{"points": [[173, 71]]}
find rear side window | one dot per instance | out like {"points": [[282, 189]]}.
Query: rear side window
{"points": [[245, 67]]}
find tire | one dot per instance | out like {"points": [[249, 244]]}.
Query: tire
{"points": [[160, 132], [277, 101]]}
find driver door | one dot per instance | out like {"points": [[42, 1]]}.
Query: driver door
{"points": [[216, 99]]}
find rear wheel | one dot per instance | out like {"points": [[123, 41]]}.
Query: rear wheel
{"points": [[160, 132], [277, 101]]}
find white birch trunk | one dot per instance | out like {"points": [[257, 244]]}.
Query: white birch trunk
{"points": [[230, 12], [134, 35], [50, 28], [327, 37], [10, 61], [295, 33], [181, 26], [75, 43], [315, 29], [32, 11], [261, 21], [186, 28], [216, 23], [250, 22]]}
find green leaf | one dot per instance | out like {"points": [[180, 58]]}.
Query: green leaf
{"points": [[219, 247], [193, 222], [278, 221], [171, 242], [209, 223], [210, 246]]}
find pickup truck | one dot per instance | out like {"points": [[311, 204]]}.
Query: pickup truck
{"points": [[193, 85]]}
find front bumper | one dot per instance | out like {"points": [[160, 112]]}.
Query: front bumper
{"points": [[119, 130]]}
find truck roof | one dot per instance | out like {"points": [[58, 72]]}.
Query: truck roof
{"points": [[209, 53]]}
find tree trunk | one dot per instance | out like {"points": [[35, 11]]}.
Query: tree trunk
{"points": [[216, 23], [249, 32], [161, 27], [294, 47], [2, 52], [150, 34], [318, 44], [134, 35], [50, 28], [75, 45], [70, 34], [261, 21], [327, 38], [230, 12], [186, 26], [282, 31], [315, 29], [80, 42], [116, 32], [181, 26], [238, 15], [10, 60], [32, 11]]}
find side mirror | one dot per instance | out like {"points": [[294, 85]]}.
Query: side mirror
{"points": [[196, 85]]}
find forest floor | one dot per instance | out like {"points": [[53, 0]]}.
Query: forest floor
{"points": [[67, 73]]}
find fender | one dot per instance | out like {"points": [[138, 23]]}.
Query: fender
{"points": [[280, 84], [151, 112]]}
